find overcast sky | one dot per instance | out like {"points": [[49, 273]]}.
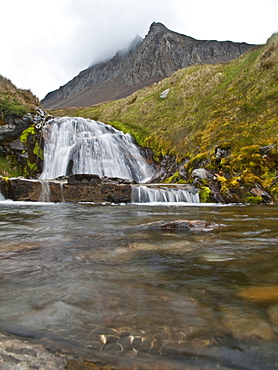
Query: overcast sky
{"points": [[44, 44]]}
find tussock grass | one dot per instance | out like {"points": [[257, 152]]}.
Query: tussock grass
{"points": [[15, 101]]}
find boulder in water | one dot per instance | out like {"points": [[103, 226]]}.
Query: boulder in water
{"points": [[180, 225]]}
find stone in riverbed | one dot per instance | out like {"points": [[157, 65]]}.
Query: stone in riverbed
{"points": [[19, 354], [179, 225], [260, 293]]}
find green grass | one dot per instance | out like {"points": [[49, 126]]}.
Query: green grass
{"points": [[8, 168], [15, 101]]}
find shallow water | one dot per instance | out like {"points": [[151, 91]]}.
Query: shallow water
{"points": [[88, 280]]}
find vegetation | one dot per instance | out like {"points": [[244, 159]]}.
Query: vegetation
{"points": [[231, 107], [8, 167], [15, 101]]}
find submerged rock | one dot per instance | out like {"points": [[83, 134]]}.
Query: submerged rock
{"points": [[260, 293], [177, 225], [19, 354]]}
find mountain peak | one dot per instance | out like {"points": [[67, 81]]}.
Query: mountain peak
{"points": [[144, 62], [157, 27]]}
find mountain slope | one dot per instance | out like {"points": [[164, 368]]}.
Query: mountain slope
{"points": [[222, 118], [161, 53]]}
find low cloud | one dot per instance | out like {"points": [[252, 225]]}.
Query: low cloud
{"points": [[47, 43]]}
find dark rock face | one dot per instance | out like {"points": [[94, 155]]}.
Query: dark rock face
{"points": [[161, 53], [17, 151], [76, 190], [14, 126]]}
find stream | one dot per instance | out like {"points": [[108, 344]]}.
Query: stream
{"points": [[89, 280]]}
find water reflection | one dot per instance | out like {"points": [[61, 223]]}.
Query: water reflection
{"points": [[92, 281]]}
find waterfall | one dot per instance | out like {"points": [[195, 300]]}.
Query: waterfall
{"points": [[45, 192], [169, 193], [2, 197], [84, 146]]}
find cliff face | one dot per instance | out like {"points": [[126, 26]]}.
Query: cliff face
{"points": [[147, 61]]}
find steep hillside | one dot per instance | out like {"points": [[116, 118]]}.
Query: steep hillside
{"points": [[19, 111], [15, 101], [147, 61], [222, 118]]}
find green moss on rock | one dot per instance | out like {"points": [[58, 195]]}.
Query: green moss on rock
{"points": [[204, 193]]}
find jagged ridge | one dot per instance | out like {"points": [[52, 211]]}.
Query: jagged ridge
{"points": [[147, 61]]}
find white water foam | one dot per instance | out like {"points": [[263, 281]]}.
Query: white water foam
{"points": [[83, 146], [158, 193]]}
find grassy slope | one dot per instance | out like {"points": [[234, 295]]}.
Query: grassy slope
{"points": [[232, 105], [15, 101]]}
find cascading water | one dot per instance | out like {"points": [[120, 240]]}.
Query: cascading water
{"points": [[2, 197], [83, 146], [171, 193]]}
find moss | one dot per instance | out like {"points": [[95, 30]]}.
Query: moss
{"points": [[25, 134], [38, 151], [204, 194], [274, 192], [249, 179], [30, 139], [254, 200], [173, 179], [199, 160], [30, 170]]}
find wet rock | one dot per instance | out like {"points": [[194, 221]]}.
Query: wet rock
{"points": [[14, 126], [178, 225], [102, 192], [246, 325], [216, 193], [257, 191], [266, 150], [259, 293], [22, 189], [19, 354], [201, 173], [87, 188], [273, 315], [167, 168], [2, 186], [222, 153], [83, 179]]}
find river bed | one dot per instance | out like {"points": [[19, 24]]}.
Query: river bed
{"points": [[90, 281]]}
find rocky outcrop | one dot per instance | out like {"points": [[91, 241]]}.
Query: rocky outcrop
{"points": [[13, 126], [78, 188], [21, 141], [161, 53]]}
